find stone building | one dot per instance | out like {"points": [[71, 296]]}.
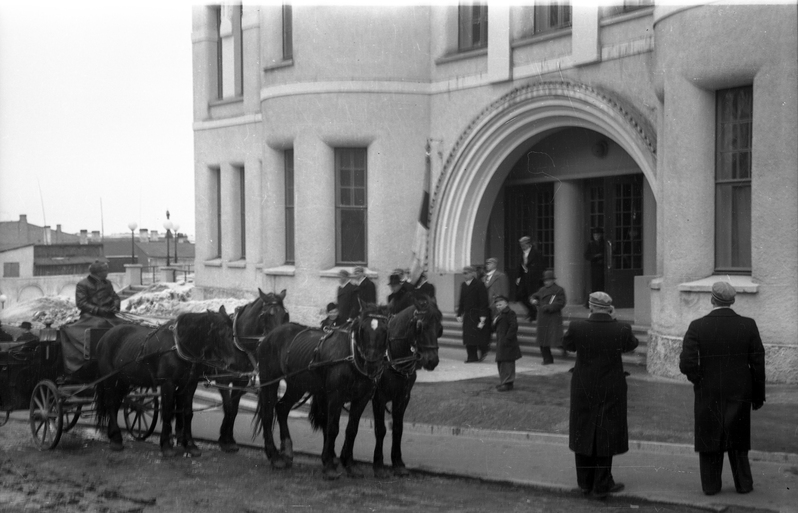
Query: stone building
{"points": [[672, 128]]}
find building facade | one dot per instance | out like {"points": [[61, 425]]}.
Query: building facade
{"points": [[671, 128]]}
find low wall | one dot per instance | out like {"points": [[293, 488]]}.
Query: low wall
{"points": [[18, 290]]}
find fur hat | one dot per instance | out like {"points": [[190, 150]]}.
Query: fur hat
{"points": [[98, 266]]}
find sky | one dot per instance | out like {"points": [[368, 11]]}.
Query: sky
{"points": [[96, 115]]}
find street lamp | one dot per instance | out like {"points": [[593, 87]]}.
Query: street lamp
{"points": [[132, 225], [176, 227], [168, 227]]}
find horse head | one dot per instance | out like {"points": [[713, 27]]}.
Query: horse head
{"points": [[370, 330], [214, 337], [273, 312], [427, 327]]}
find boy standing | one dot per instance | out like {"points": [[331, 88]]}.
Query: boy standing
{"points": [[505, 324]]}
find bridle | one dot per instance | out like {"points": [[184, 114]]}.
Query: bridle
{"points": [[375, 363], [406, 365]]}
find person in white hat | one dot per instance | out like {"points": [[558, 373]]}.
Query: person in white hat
{"points": [[723, 357]]}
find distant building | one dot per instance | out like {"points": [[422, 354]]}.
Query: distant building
{"points": [[22, 232]]}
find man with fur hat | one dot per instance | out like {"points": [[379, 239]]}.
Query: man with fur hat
{"points": [[723, 357], [94, 295], [549, 300], [597, 424]]}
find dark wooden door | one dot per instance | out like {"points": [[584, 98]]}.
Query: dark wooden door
{"points": [[529, 210]]}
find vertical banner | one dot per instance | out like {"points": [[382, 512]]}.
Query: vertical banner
{"points": [[422, 227]]}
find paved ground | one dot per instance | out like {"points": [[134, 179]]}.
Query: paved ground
{"points": [[654, 471]]}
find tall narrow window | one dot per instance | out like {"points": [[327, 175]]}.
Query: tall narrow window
{"points": [[288, 32], [552, 16], [242, 212], [734, 121], [351, 211], [217, 182], [473, 26], [239, 49], [289, 207], [217, 12]]}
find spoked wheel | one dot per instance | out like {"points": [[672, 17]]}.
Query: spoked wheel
{"points": [[46, 415], [141, 412], [71, 417]]}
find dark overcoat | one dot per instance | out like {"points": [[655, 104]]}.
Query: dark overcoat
{"points": [[427, 288], [96, 296], [598, 385], [722, 355], [472, 305], [346, 299], [551, 301], [530, 269], [506, 327], [365, 292]]}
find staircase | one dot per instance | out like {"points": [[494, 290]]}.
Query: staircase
{"points": [[452, 335]]}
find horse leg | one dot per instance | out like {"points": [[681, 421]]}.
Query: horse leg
{"points": [[334, 405], [283, 409], [185, 414], [112, 396], [399, 408], [167, 413], [230, 402], [378, 406], [266, 401], [356, 409]]}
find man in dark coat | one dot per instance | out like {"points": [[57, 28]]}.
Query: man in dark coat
{"points": [[345, 295], [473, 311], [333, 319], [723, 357], [399, 298], [549, 300], [505, 324], [94, 295], [529, 271], [594, 253], [425, 287], [26, 335], [365, 291], [598, 429]]}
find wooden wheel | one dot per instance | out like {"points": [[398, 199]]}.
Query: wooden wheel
{"points": [[71, 417], [141, 412], [46, 415]]}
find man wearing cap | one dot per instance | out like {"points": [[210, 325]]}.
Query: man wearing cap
{"points": [[505, 324], [549, 300], [597, 424], [473, 310], [365, 290], [594, 253], [496, 282], [345, 296], [94, 295], [723, 357], [529, 271], [26, 335]]}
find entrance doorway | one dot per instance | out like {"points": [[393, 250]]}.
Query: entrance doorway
{"points": [[615, 204], [529, 211]]}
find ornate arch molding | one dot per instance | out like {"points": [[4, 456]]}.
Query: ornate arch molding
{"points": [[500, 128]]}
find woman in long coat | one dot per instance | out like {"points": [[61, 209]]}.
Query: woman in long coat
{"points": [[549, 300], [473, 310], [597, 428]]}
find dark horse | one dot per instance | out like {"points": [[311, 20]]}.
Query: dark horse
{"points": [[334, 368], [172, 357], [251, 323], [412, 343]]}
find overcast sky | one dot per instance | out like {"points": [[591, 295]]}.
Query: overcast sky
{"points": [[96, 109]]}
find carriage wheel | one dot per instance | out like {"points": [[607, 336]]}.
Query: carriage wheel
{"points": [[71, 417], [141, 412], [46, 415]]}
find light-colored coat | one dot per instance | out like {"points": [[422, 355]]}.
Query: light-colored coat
{"points": [[497, 285]]}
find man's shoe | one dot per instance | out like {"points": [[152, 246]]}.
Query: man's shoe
{"points": [[483, 355], [749, 490], [471, 361], [711, 492], [617, 487], [546, 363], [505, 388]]}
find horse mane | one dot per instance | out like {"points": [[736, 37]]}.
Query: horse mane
{"points": [[194, 329]]}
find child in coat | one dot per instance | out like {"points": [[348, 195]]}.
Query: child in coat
{"points": [[505, 324]]}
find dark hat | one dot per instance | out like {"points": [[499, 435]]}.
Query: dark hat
{"points": [[600, 300], [723, 293], [394, 280], [548, 274], [499, 297], [98, 266], [597, 229], [331, 307], [25, 325]]}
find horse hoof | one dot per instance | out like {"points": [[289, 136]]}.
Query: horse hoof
{"points": [[228, 447], [116, 446], [381, 473], [330, 474], [193, 452], [354, 472], [168, 452], [401, 472], [279, 464]]}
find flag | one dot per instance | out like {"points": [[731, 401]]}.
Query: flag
{"points": [[418, 262]]}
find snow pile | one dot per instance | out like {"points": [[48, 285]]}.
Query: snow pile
{"points": [[59, 309]]}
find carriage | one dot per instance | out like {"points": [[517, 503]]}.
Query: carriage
{"points": [[33, 376]]}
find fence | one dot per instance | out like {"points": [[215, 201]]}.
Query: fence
{"points": [[152, 274]]}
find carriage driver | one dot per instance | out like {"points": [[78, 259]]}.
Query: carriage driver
{"points": [[95, 295]]}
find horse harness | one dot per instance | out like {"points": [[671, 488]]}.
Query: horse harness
{"points": [[406, 366]]}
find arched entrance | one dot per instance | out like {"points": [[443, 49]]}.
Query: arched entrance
{"points": [[513, 136]]}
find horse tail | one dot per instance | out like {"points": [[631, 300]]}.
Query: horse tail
{"points": [[102, 414], [318, 411]]}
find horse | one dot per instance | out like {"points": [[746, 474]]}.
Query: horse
{"points": [[412, 343], [335, 367], [251, 323], [171, 356]]}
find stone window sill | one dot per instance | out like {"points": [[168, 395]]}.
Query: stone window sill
{"points": [[237, 264], [462, 55], [280, 270], [278, 65], [742, 284], [333, 272], [216, 262]]}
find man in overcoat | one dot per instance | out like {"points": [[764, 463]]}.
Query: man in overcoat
{"points": [[723, 357], [365, 290], [597, 427], [505, 324], [345, 296], [94, 295], [496, 282], [549, 300], [594, 253], [425, 287], [529, 271], [473, 311]]}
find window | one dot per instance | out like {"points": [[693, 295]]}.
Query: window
{"points": [[633, 5], [473, 26], [10, 269], [230, 63], [552, 16], [544, 222], [217, 192], [217, 12], [288, 32], [242, 213], [734, 117], [289, 207], [350, 206]]}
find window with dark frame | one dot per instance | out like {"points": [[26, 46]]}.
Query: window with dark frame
{"points": [[239, 48], [733, 136], [351, 210], [289, 207], [288, 32], [242, 210], [217, 175], [473, 26], [217, 10], [552, 16], [10, 269]]}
